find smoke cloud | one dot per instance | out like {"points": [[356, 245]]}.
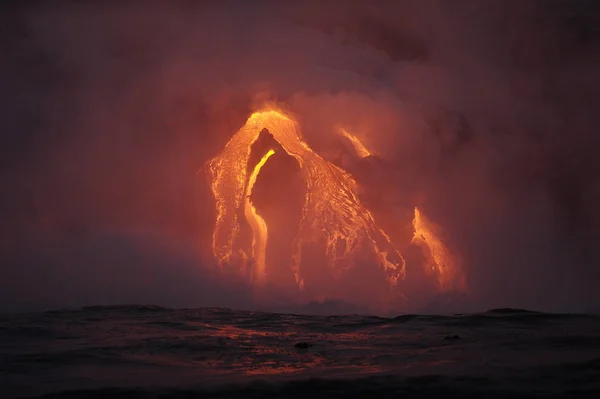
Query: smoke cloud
{"points": [[484, 113]]}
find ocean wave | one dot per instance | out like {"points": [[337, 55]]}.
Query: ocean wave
{"points": [[154, 348]]}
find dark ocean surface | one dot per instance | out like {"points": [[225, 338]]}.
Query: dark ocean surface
{"points": [[148, 351]]}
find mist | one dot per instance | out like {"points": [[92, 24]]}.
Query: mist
{"points": [[484, 112]]}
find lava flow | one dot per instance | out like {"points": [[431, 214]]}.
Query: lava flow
{"points": [[257, 223], [332, 215]]}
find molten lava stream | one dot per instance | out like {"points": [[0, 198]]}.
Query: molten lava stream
{"points": [[257, 223]]}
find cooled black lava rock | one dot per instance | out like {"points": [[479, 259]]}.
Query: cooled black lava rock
{"points": [[302, 345]]}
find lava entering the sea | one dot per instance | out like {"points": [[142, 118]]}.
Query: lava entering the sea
{"points": [[332, 217]]}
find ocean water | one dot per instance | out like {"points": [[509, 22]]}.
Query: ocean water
{"points": [[149, 351]]}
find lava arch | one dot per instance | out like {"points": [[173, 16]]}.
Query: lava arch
{"points": [[332, 215]]}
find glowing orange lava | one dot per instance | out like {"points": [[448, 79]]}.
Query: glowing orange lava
{"points": [[441, 262], [332, 215]]}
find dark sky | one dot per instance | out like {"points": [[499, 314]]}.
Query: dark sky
{"points": [[488, 108]]}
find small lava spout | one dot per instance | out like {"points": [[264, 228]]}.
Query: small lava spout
{"points": [[441, 261], [360, 149]]}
